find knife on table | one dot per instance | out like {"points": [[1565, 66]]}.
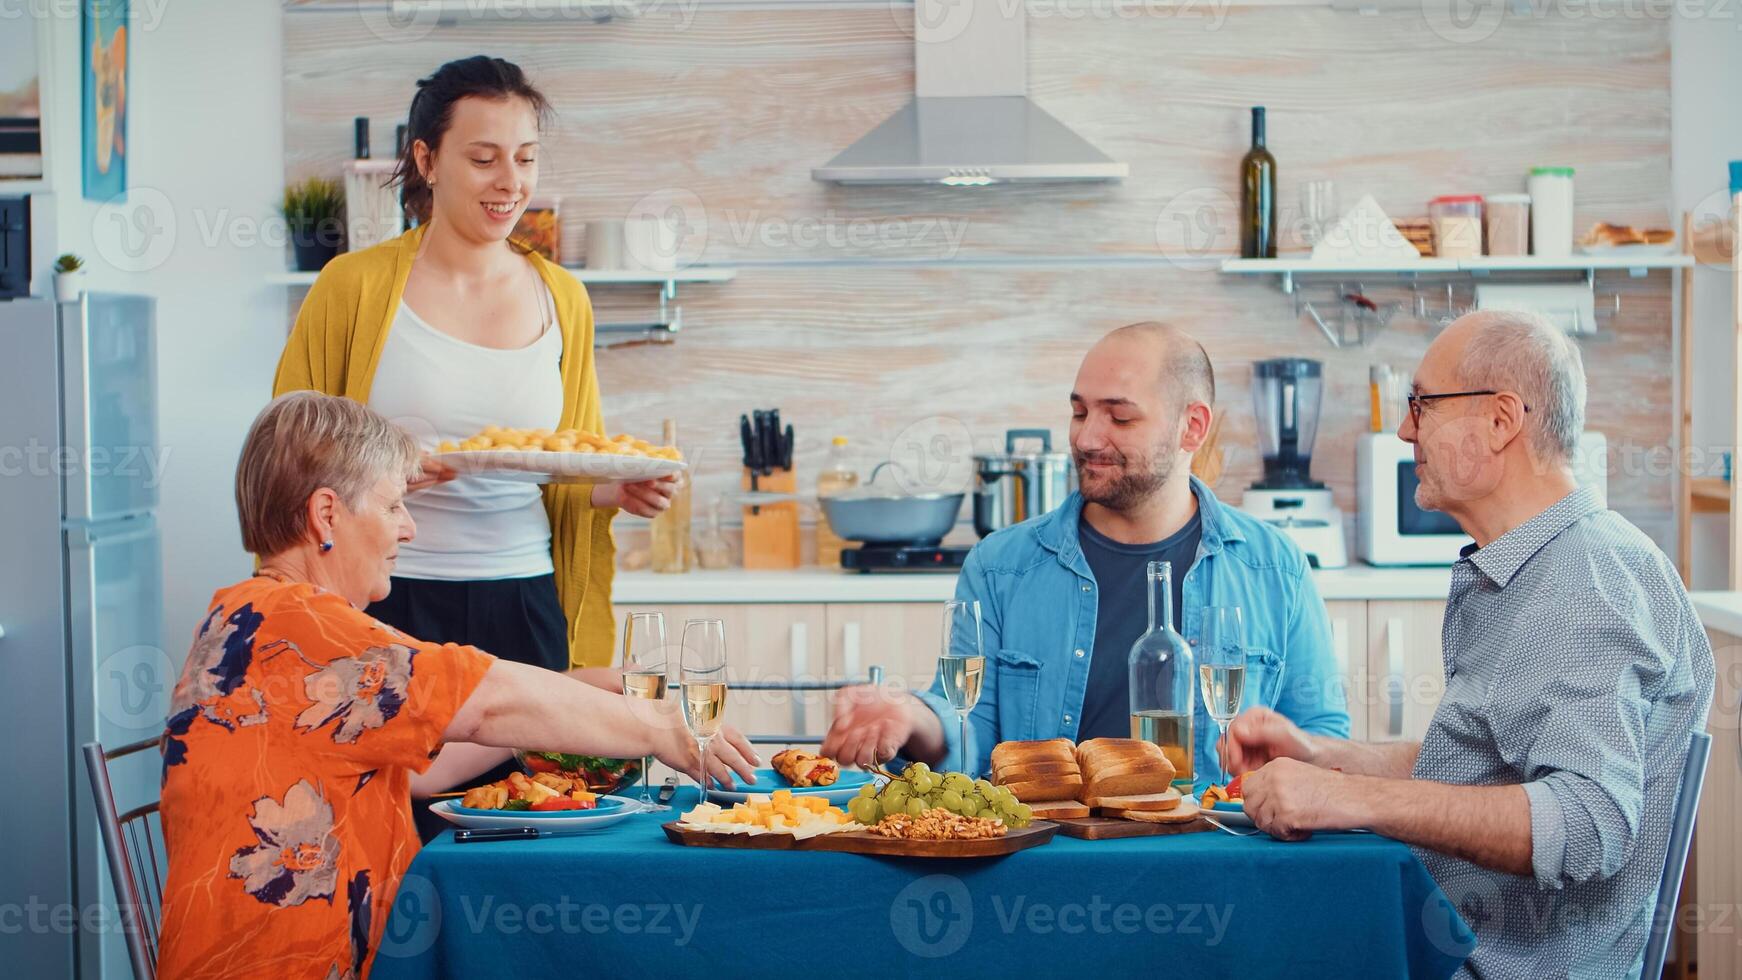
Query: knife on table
{"points": [[667, 791]]}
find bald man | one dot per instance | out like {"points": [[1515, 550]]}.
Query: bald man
{"points": [[1064, 596], [1577, 671]]}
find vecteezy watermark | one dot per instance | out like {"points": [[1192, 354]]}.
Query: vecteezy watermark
{"points": [[945, 20], [933, 916], [675, 922], [133, 686], [35, 458], [933, 455], [939, 236], [1471, 21], [35, 917], [1099, 917], [413, 20], [143, 15]]}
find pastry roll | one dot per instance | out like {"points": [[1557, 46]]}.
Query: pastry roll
{"points": [[805, 769]]}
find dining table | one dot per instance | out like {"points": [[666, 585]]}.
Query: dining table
{"points": [[1206, 904]]}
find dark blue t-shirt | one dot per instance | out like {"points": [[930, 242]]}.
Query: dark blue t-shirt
{"points": [[1121, 570]]}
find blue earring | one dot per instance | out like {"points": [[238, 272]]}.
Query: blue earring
{"points": [[326, 546]]}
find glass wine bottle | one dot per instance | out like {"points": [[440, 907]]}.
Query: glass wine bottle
{"points": [[1162, 680], [1258, 195]]}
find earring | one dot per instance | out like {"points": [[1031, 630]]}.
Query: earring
{"points": [[326, 546]]}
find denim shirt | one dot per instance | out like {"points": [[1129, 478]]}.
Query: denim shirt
{"points": [[1038, 605]]}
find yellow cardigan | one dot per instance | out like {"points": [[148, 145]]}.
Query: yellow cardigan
{"points": [[336, 345]]}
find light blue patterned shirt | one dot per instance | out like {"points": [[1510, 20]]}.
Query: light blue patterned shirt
{"points": [[1575, 666]]}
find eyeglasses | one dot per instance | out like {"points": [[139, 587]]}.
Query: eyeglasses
{"points": [[1416, 402]]}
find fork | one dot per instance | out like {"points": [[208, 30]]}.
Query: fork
{"points": [[1224, 828]]}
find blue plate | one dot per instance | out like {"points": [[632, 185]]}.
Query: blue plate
{"points": [[1229, 806], [604, 805], [844, 788]]}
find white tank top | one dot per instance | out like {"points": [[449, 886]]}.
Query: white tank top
{"points": [[438, 387]]}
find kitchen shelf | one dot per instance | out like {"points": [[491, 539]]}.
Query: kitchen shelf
{"points": [[1711, 494], [1588, 265], [601, 277]]}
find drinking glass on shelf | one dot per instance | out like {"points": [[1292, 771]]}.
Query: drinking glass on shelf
{"points": [[1318, 209], [702, 676], [1222, 664], [962, 664], [645, 678]]}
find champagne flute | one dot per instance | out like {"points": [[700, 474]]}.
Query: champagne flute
{"points": [[644, 678], [703, 679], [962, 665], [1222, 665]]}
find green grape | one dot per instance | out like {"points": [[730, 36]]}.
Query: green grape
{"points": [[916, 769], [1023, 813], [950, 800], [915, 807], [958, 782], [868, 790], [1005, 796], [984, 787], [865, 810], [927, 782], [976, 799], [970, 808]]}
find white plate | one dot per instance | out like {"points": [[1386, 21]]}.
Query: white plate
{"points": [[1233, 818], [1663, 248], [582, 820], [536, 466]]}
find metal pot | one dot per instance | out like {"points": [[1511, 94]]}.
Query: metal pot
{"points": [[875, 515], [1012, 487]]}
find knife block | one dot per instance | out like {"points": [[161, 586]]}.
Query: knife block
{"points": [[771, 539]]}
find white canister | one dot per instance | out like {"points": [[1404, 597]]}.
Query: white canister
{"points": [[1551, 211], [604, 244], [650, 244]]}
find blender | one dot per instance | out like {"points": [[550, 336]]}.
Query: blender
{"points": [[1285, 397]]}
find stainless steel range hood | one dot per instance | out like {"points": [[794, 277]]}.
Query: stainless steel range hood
{"points": [[971, 121]]}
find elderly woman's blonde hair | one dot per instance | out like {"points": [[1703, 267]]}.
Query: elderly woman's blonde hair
{"points": [[301, 442]]}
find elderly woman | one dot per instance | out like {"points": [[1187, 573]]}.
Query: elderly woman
{"points": [[299, 720]]}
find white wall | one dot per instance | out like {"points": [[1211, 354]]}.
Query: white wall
{"points": [[1706, 133], [205, 165]]}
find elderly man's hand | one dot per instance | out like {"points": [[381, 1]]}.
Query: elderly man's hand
{"points": [[1289, 799], [1260, 735]]}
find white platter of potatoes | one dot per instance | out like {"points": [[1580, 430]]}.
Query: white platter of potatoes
{"points": [[564, 456]]}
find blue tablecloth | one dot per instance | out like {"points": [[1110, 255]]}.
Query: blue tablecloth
{"points": [[1186, 906]]}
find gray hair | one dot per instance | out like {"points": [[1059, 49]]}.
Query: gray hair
{"points": [[1527, 354], [303, 441]]}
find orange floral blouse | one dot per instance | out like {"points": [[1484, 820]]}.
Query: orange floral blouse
{"points": [[287, 761]]}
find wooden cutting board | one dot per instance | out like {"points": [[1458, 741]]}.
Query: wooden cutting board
{"points": [[1109, 828], [864, 842]]}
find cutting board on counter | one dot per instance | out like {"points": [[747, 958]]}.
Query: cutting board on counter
{"points": [[1112, 828]]}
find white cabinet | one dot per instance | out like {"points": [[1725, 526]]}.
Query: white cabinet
{"points": [[1717, 859], [1349, 646], [1406, 677], [900, 637]]}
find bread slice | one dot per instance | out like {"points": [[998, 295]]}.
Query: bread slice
{"points": [[1058, 810], [1006, 754], [1185, 812], [1066, 787], [1018, 771], [1152, 802], [1123, 767]]}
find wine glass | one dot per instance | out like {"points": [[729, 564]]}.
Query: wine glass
{"points": [[1222, 664], [644, 678], [962, 664], [703, 679], [1318, 209]]}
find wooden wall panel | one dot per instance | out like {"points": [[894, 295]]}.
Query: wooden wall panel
{"points": [[728, 113]]}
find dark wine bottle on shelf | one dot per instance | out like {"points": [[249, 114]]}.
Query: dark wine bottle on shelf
{"points": [[1258, 195]]}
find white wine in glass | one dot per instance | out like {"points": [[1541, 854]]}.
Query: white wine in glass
{"points": [[1222, 665], [702, 679], [645, 677], [962, 665]]}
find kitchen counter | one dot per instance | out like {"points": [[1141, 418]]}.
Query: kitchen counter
{"points": [[1357, 582], [1721, 612]]}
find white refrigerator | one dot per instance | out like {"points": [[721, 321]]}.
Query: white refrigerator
{"points": [[82, 653]]}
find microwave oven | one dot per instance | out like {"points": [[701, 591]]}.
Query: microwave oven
{"points": [[1392, 530]]}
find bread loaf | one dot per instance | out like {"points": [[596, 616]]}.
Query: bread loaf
{"points": [[1122, 767], [1038, 771]]}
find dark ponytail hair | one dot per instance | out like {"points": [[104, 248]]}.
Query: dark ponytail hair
{"points": [[432, 112]]}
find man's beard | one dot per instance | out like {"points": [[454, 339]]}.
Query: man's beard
{"points": [[1128, 489]]}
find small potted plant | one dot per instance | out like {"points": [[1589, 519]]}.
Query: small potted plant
{"points": [[67, 270], [314, 213]]}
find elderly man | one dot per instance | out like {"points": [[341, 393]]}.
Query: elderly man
{"points": [[1576, 673], [1064, 595]]}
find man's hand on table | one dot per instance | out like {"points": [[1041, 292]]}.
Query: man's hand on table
{"points": [[1289, 799], [872, 723]]}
